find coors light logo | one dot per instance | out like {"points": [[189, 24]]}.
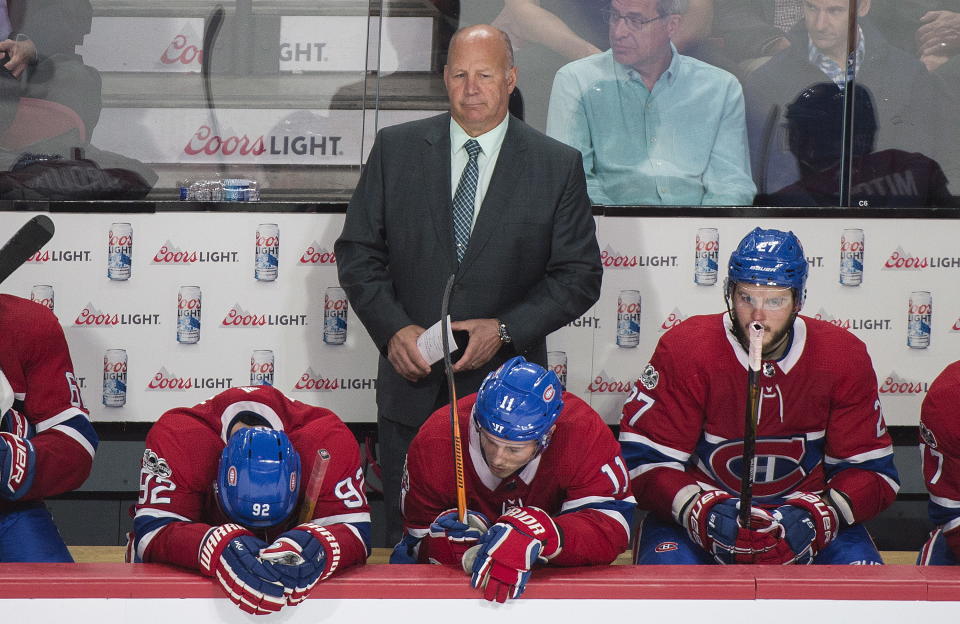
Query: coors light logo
{"points": [[880, 324], [613, 259], [956, 326], [167, 381], [91, 316], [673, 319], [311, 381], [238, 317], [59, 255], [170, 254], [315, 255], [604, 384], [895, 385], [183, 50], [901, 260]]}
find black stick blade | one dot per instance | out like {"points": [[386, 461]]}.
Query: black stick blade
{"points": [[27, 241]]}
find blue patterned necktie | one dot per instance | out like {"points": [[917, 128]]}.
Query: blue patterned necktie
{"points": [[464, 197]]}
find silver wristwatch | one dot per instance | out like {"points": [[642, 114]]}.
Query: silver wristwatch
{"points": [[502, 330]]}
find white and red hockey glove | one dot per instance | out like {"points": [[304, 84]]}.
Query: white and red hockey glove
{"points": [[449, 538], [509, 549], [17, 465], [229, 553], [302, 557], [809, 523], [712, 521]]}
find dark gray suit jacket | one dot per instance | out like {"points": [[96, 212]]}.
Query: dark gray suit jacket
{"points": [[532, 261]]}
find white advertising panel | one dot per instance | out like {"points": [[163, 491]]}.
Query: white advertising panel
{"points": [[289, 323], [144, 44]]}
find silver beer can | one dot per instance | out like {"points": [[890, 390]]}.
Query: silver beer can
{"points": [[267, 260], [115, 377], [335, 316], [120, 251], [188, 315], [851, 257], [42, 294], [261, 368], [919, 319], [706, 256], [557, 362], [628, 318]]}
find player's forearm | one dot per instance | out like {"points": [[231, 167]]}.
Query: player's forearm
{"points": [[590, 538], [62, 465], [867, 492], [177, 543]]}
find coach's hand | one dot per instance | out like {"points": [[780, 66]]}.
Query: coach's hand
{"points": [[229, 553], [483, 345], [403, 353]]}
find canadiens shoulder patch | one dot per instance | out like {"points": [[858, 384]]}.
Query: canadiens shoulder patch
{"points": [[649, 378], [156, 465], [927, 436]]}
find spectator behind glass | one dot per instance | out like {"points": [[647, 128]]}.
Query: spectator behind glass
{"points": [[904, 95], [39, 47], [754, 30], [884, 178], [654, 126]]}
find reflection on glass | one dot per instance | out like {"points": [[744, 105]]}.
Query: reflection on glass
{"points": [[885, 178], [653, 126], [905, 98]]}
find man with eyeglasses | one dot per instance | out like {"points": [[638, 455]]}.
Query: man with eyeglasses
{"points": [[824, 460], [654, 126]]}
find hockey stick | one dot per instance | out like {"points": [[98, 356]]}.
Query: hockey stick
{"points": [[27, 241], [749, 461], [210, 33], [314, 484], [454, 416]]}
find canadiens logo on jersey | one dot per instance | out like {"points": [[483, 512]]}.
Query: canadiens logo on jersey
{"points": [[782, 463]]}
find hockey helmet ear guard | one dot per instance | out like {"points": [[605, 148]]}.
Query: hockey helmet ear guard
{"points": [[769, 258], [259, 477], [520, 401]]}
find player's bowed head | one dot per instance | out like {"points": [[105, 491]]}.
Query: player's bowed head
{"points": [[258, 482], [766, 282], [515, 414]]}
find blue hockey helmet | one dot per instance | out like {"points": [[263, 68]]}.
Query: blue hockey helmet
{"points": [[519, 402], [769, 258], [259, 477]]}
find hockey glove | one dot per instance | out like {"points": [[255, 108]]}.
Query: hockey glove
{"points": [[711, 520], [17, 463], [449, 538], [302, 557], [229, 553], [509, 549], [809, 523]]}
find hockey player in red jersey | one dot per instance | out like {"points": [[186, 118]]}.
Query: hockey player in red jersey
{"points": [[46, 441], [824, 461], [541, 465], [221, 492], [940, 453]]}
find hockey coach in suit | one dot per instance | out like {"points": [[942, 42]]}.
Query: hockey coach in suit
{"points": [[478, 194]]}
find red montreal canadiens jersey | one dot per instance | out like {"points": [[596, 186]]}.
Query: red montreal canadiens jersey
{"points": [[821, 425], [177, 504], [47, 407], [940, 446], [580, 480]]}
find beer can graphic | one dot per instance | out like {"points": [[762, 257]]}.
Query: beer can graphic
{"points": [[261, 368], [42, 294], [335, 316], [919, 319], [188, 315], [851, 257], [706, 256], [557, 362], [115, 377], [628, 318], [119, 251], [267, 259]]}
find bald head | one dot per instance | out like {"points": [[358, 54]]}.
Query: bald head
{"points": [[479, 77]]}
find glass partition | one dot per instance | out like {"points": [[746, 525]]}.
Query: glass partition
{"points": [[282, 98]]}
